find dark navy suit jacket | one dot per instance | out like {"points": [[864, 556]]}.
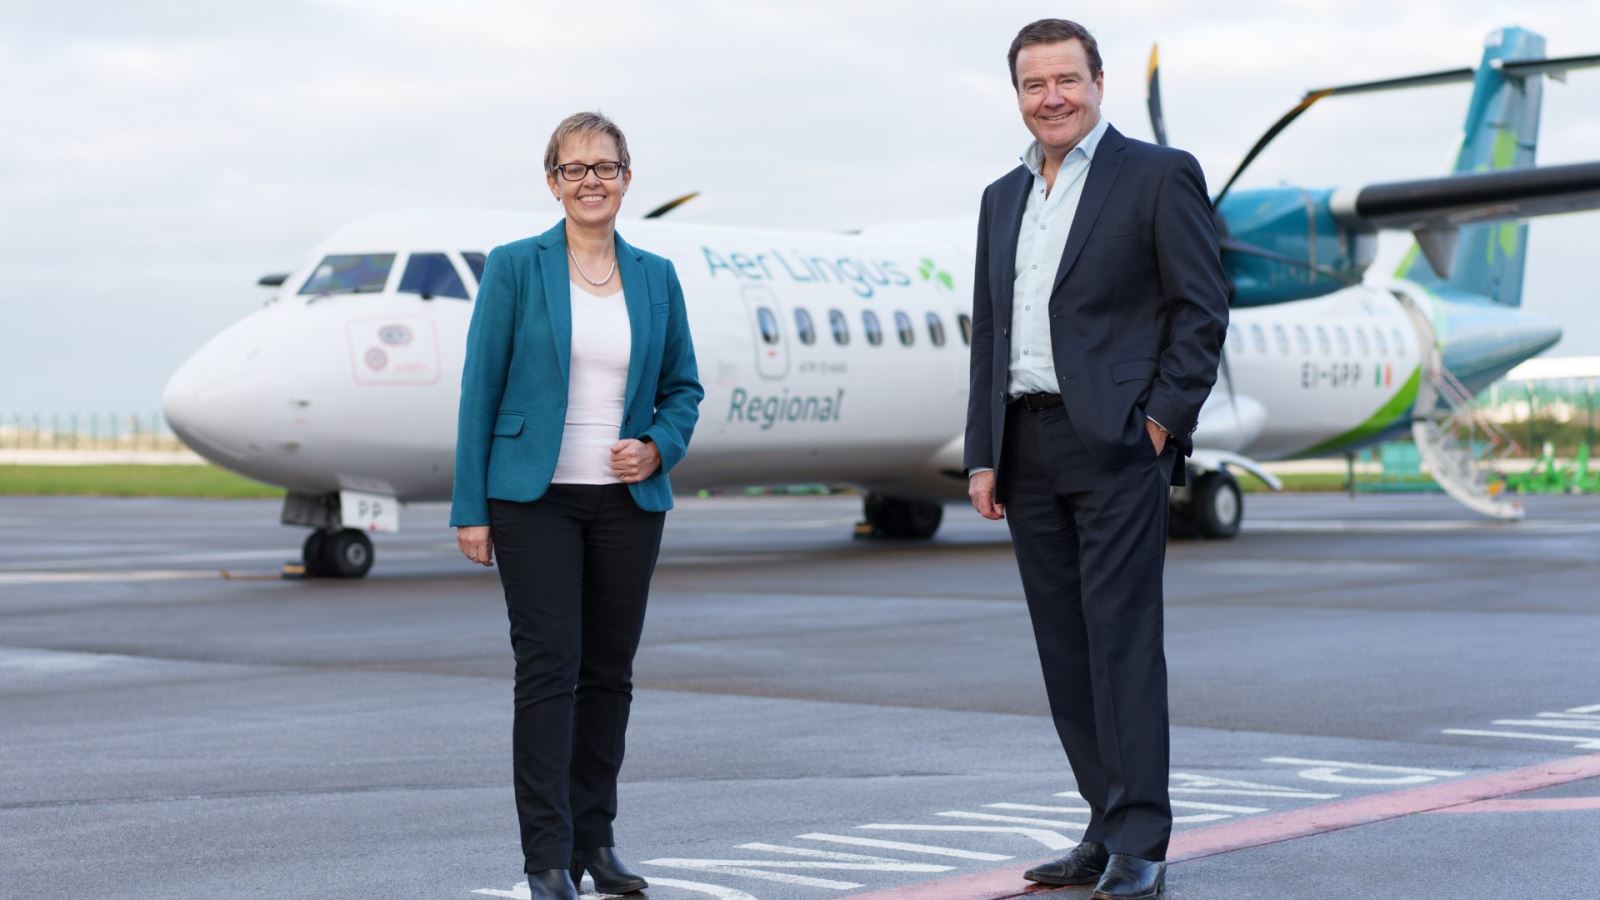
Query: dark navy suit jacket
{"points": [[1138, 311]]}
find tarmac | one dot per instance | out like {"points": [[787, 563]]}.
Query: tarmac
{"points": [[1381, 697]]}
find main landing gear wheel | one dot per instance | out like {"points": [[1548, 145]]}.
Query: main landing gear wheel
{"points": [[337, 554], [1216, 505], [896, 518]]}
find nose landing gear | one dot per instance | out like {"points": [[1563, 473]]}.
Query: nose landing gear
{"points": [[345, 553]]}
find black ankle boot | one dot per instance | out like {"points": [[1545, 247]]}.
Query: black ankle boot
{"points": [[611, 875], [551, 884]]}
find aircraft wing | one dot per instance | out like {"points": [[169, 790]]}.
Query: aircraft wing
{"points": [[1438, 204]]}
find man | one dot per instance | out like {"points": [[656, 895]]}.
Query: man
{"points": [[1099, 308]]}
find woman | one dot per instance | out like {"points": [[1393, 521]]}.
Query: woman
{"points": [[579, 394]]}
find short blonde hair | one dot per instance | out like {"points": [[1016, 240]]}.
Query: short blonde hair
{"points": [[584, 123]]}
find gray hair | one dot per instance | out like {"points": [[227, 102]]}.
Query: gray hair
{"points": [[584, 123]]}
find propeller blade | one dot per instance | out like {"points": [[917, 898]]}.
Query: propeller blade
{"points": [[1273, 132], [1152, 102], [671, 205]]}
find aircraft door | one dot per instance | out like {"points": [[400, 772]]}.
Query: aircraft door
{"points": [[767, 333]]}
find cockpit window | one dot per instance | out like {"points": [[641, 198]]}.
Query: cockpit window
{"points": [[355, 273], [475, 262], [431, 275]]}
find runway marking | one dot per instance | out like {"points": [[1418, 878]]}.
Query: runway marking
{"points": [[1328, 770], [1275, 828], [93, 577], [1375, 526], [1218, 807], [1020, 820], [929, 849], [521, 892], [1577, 718], [1206, 784], [1580, 725], [1050, 839], [1579, 743], [759, 868], [1531, 804], [883, 863], [1030, 807]]}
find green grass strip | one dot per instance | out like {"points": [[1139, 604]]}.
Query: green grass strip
{"points": [[130, 481]]}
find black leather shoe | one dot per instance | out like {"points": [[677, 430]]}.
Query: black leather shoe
{"points": [[551, 884], [1131, 878], [611, 875], [1082, 865]]}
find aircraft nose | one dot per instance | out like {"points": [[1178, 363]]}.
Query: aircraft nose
{"points": [[207, 401]]}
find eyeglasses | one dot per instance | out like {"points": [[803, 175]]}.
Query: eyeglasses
{"points": [[605, 171]]}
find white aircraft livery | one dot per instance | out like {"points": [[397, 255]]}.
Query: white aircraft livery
{"points": [[843, 358]]}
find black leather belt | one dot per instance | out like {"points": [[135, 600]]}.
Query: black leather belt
{"points": [[1037, 402]]}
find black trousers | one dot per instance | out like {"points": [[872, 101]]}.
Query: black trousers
{"points": [[1090, 545], [576, 567]]}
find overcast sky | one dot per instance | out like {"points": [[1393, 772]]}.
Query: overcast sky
{"points": [[160, 156]]}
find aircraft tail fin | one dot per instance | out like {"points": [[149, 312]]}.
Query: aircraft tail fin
{"points": [[1501, 132]]}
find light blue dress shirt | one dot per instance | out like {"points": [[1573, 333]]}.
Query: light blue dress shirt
{"points": [[1046, 221]]}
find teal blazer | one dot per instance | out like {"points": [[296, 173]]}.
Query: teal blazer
{"points": [[514, 382]]}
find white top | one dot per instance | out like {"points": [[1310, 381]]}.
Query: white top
{"points": [[1040, 243], [601, 344]]}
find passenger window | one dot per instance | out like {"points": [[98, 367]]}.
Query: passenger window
{"points": [[1381, 342], [1303, 339], [1258, 336], [1325, 348], [768, 324], [475, 262], [1232, 340], [872, 327], [1281, 335], [356, 273], [431, 275], [804, 328], [935, 329], [1361, 341], [965, 321], [841, 328], [1399, 343], [1344, 340], [902, 324]]}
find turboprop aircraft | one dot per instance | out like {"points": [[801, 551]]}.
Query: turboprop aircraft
{"points": [[841, 358]]}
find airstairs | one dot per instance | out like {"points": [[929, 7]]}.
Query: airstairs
{"points": [[1457, 442]]}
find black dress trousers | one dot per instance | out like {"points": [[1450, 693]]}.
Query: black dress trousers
{"points": [[1090, 544], [576, 567]]}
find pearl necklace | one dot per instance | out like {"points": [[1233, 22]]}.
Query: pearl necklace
{"points": [[601, 282]]}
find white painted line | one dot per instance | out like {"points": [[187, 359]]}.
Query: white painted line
{"points": [[1020, 820], [521, 892], [1585, 709], [1050, 839], [1583, 743], [1571, 724], [874, 863], [715, 890], [1206, 784], [82, 577], [1217, 807], [1584, 717], [739, 867], [1029, 807], [1329, 769], [929, 849], [1200, 817], [1235, 792]]}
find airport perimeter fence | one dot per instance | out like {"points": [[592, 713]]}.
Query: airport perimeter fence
{"points": [[146, 433]]}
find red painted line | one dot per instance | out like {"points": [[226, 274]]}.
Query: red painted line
{"points": [[1259, 831], [1543, 804]]}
